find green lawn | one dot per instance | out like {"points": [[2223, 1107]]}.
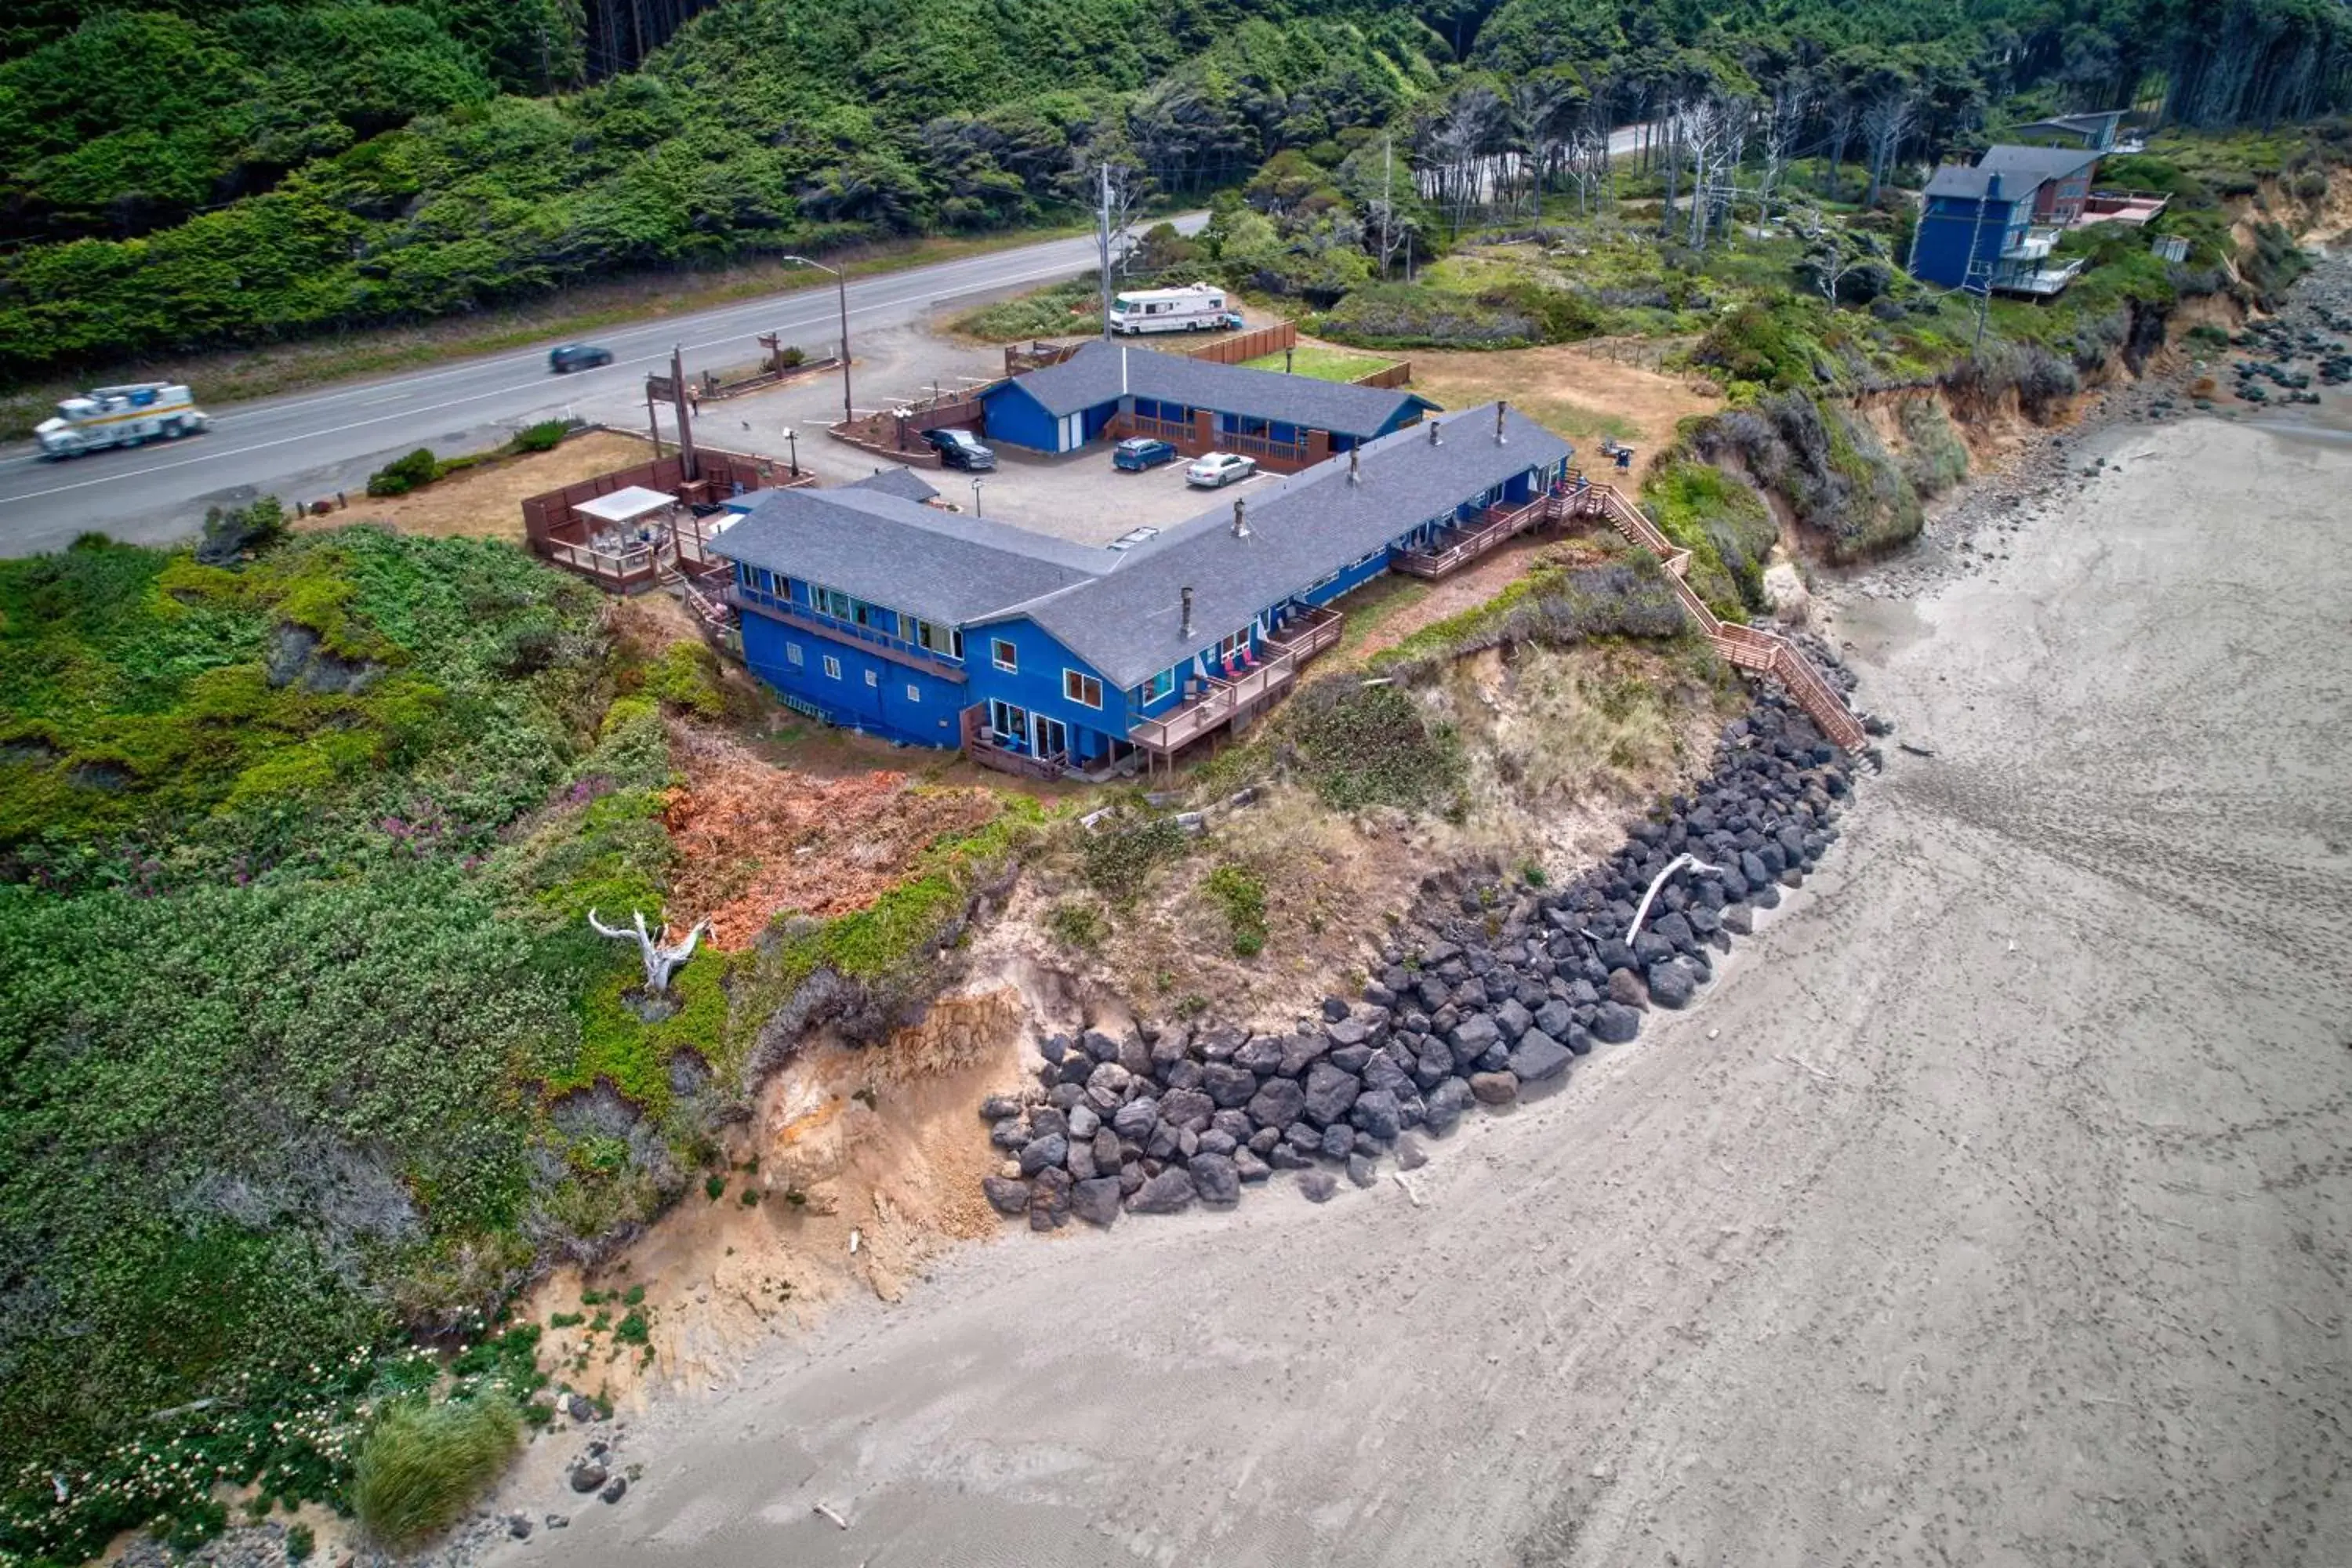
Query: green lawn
{"points": [[1322, 364]]}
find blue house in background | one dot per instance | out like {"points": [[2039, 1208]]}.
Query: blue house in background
{"points": [[865, 608], [1995, 225], [1285, 422]]}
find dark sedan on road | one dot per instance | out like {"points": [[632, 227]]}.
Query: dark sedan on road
{"points": [[1137, 453], [577, 356], [961, 449]]}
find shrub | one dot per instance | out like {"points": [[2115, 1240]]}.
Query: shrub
{"points": [[1372, 745], [543, 437], [1118, 860], [424, 1465], [403, 475], [231, 532], [1075, 924], [300, 1541], [1241, 893], [1935, 461]]}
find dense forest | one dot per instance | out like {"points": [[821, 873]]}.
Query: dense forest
{"points": [[190, 175]]}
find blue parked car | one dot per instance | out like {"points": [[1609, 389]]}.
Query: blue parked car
{"points": [[1137, 453]]}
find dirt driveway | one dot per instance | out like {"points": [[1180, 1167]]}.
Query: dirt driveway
{"points": [[1992, 1209]]}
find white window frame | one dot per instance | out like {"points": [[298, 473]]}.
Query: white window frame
{"points": [[1073, 687], [792, 655], [832, 668], [914, 692], [1003, 655], [874, 679]]}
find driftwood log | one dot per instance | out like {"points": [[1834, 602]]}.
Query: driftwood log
{"points": [[1679, 863], [661, 959]]}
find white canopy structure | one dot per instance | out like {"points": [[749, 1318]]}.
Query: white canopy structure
{"points": [[626, 506]]}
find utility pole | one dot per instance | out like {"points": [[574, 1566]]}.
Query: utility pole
{"points": [[1102, 248], [687, 466]]}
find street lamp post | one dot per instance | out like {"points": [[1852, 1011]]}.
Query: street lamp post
{"points": [[975, 498], [841, 286], [793, 446]]}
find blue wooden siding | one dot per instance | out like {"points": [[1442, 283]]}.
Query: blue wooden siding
{"points": [[859, 689], [1950, 236], [1017, 419], [1035, 685]]}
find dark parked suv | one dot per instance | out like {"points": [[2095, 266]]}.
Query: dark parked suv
{"points": [[961, 449], [577, 356]]}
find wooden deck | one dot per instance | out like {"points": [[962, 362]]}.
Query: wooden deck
{"points": [[1221, 702], [1457, 548]]}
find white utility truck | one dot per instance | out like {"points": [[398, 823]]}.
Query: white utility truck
{"points": [[1199, 309], [120, 416]]}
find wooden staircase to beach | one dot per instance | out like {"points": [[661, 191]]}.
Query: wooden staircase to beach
{"points": [[1745, 646]]}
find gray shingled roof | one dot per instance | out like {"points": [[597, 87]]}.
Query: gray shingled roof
{"points": [[1302, 528], [902, 482], [2025, 167], [939, 565], [1100, 372], [1960, 181]]}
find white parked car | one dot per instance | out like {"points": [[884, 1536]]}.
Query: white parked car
{"points": [[1219, 468]]}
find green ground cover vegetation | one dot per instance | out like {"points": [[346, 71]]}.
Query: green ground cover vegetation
{"points": [[307, 1055]]}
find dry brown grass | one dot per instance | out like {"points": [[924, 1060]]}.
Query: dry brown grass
{"points": [[1569, 388], [486, 502]]}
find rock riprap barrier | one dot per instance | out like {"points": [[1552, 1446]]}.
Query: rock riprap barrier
{"points": [[1489, 992]]}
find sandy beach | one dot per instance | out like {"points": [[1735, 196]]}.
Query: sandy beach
{"points": [[1992, 1207]]}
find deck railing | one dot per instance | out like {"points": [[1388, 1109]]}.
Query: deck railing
{"points": [[1457, 547], [882, 645], [1746, 647]]}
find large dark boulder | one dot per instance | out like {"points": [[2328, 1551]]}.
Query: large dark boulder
{"points": [[1043, 1153], [1096, 1202], [1228, 1085], [1188, 1109], [1553, 1018], [1136, 1118], [1216, 1178], [1167, 1193], [1301, 1051], [1319, 1186], [1613, 1023], [1538, 1057], [1473, 1036], [1512, 1019], [1377, 1112], [1330, 1093], [1495, 1088], [1670, 984], [1006, 1196], [1260, 1054], [1277, 1102], [1339, 1141]]}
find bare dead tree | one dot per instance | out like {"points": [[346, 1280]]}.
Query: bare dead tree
{"points": [[661, 959], [1584, 163], [1885, 122], [1784, 122], [1838, 120]]}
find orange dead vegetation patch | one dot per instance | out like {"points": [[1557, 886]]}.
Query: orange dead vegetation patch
{"points": [[755, 840]]}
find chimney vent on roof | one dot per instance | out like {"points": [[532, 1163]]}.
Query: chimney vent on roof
{"points": [[1433, 432], [1241, 523], [1187, 629], [1501, 408], [1355, 466]]}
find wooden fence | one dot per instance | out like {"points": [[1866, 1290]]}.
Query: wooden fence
{"points": [[1252, 344], [556, 531], [1397, 375]]}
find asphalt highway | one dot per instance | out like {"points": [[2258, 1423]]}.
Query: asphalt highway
{"points": [[310, 444]]}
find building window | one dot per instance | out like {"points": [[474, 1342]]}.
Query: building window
{"points": [[792, 654], [933, 639], [1082, 688], [1003, 655], [832, 668], [1161, 685], [833, 602], [875, 616], [914, 692], [874, 679]]}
